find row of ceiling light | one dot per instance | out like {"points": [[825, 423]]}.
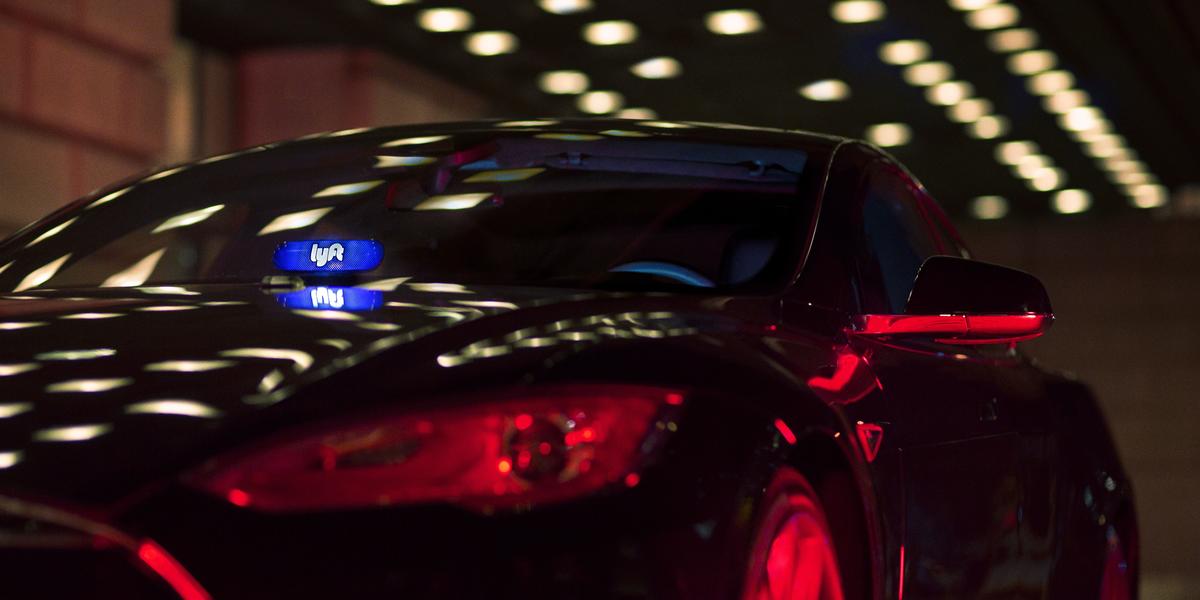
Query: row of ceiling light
{"points": [[1072, 107], [1085, 123]]}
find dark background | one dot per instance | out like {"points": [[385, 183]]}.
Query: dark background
{"points": [[1105, 211]]}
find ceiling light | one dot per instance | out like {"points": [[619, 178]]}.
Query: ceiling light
{"points": [[393, 2], [188, 218], [296, 220], [16, 369], [969, 110], [7, 411], [1122, 165], [970, 4], [76, 433], [1133, 178], [1012, 40], [928, 73], [949, 92], [415, 141], [610, 33], [565, 7], [1099, 129], [185, 408], [89, 385], [1083, 118], [490, 43], [994, 17], [1149, 195], [637, 113], [53, 231], [600, 102], [889, 134], [1106, 146], [137, 273], [1050, 82], [857, 11], [453, 201], [444, 19], [1032, 164], [563, 82], [904, 52], [42, 274], [188, 366], [1047, 179], [989, 207], [661, 67], [1069, 202], [1061, 102], [1011, 153], [826, 90], [348, 189], [1032, 61], [733, 22], [988, 127], [9, 459]]}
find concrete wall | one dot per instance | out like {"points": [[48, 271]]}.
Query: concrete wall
{"points": [[94, 91], [1127, 297], [81, 97]]}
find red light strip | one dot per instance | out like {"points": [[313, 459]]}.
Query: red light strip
{"points": [[785, 431], [171, 571], [964, 329]]}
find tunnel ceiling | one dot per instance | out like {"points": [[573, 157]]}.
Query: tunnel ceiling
{"points": [[1131, 138]]}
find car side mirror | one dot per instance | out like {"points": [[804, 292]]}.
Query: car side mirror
{"points": [[961, 301]]}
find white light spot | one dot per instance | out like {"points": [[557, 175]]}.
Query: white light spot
{"points": [[443, 20], [733, 22], [826, 90]]}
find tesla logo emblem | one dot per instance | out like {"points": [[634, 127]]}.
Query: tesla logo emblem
{"points": [[332, 298], [870, 436], [321, 256]]}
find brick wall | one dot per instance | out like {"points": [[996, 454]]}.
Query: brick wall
{"points": [[81, 98], [1125, 294]]}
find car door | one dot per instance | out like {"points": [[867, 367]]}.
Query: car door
{"points": [[959, 452]]}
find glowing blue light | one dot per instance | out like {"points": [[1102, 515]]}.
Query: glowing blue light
{"points": [[332, 298], [329, 256], [678, 273]]}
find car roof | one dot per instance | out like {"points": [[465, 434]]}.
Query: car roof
{"points": [[680, 130]]}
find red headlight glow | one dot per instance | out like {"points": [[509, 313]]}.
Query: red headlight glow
{"points": [[513, 450]]}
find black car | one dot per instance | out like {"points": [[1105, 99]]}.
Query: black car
{"points": [[539, 359]]}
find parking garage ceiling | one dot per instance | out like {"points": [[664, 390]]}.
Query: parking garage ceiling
{"points": [[1052, 106]]}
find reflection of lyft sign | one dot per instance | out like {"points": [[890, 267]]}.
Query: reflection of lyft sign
{"points": [[321, 256], [324, 296]]}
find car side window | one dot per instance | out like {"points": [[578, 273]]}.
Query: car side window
{"points": [[896, 236]]}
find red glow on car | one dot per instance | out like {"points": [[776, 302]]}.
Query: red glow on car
{"points": [[157, 559], [674, 399], [960, 329], [523, 422], [632, 479], [238, 497], [548, 445], [785, 431], [870, 436]]}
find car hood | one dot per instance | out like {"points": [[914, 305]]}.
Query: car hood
{"points": [[105, 391]]}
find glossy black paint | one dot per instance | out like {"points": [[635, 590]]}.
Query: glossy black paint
{"points": [[949, 284], [993, 477]]}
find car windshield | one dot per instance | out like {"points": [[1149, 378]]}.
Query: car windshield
{"points": [[618, 209]]}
